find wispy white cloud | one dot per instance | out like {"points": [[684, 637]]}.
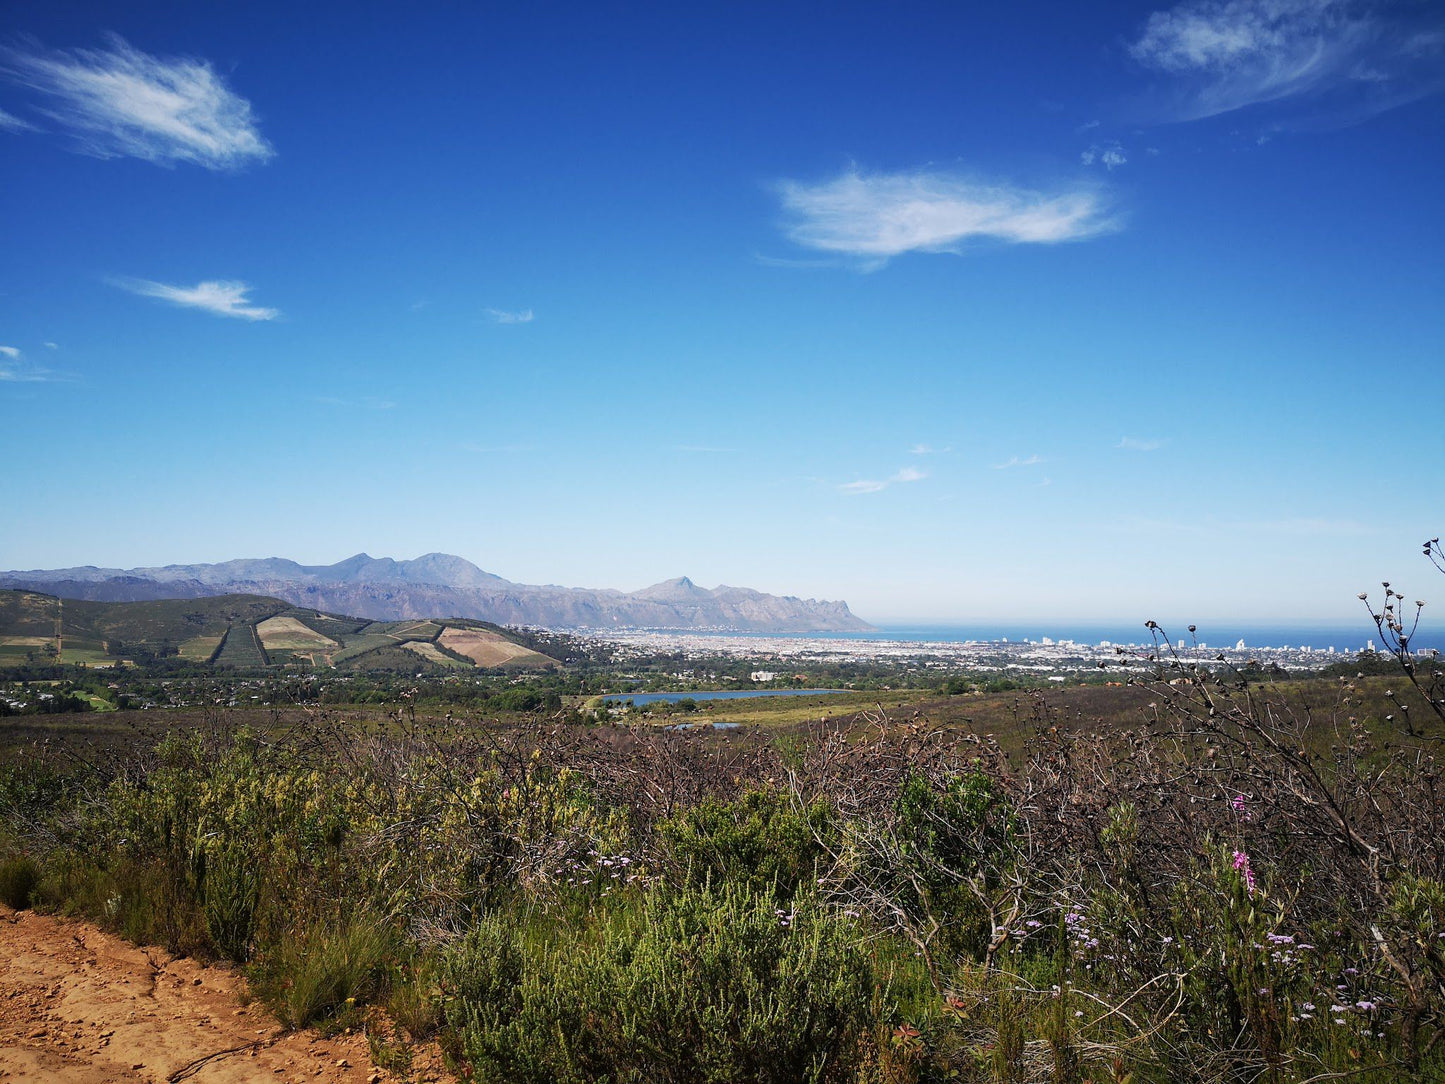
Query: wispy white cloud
{"points": [[926, 449], [807, 263], [220, 297], [14, 369], [51, 346], [119, 101], [1202, 35], [1109, 155], [869, 485], [502, 316], [1226, 55], [27, 374], [9, 122], [874, 217], [1136, 444], [1015, 461]]}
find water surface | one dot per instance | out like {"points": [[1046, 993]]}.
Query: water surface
{"points": [[643, 699]]}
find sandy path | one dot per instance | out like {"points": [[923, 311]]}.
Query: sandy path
{"points": [[79, 1006]]}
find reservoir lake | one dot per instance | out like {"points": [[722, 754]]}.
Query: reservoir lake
{"points": [[643, 699]]}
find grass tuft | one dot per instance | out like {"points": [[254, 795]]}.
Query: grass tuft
{"points": [[18, 878], [325, 973]]}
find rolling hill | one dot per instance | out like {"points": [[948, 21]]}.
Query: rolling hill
{"points": [[245, 632], [384, 589]]}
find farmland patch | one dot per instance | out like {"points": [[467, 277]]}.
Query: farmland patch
{"points": [[428, 651], [488, 649], [360, 645], [289, 634], [199, 648], [241, 648], [416, 630]]}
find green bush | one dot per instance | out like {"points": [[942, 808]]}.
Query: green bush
{"points": [[699, 985], [953, 836], [18, 878], [762, 839]]}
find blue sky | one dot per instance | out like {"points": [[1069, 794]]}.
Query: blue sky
{"points": [[1077, 311]]}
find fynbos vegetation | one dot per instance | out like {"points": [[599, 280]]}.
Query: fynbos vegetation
{"points": [[1243, 887]]}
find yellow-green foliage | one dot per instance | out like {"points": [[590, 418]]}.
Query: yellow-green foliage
{"points": [[763, 838], [692, 985], [224, 832]]}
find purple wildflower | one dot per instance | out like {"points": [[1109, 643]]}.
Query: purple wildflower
{"points": [[1241, 863]]}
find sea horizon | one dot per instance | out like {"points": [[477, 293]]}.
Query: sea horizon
{"points": [[1342, 637]]}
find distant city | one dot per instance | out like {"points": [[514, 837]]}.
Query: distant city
{"points": [[1047, 657]]}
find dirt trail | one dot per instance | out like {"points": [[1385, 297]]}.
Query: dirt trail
{"points": [[80, 1006]]}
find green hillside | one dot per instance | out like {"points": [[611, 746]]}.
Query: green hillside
{"points": [[246, 632]]}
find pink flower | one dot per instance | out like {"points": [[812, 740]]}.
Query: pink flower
{"points": [[1241, 863]]}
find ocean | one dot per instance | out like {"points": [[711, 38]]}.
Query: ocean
{"points": [[1344, 638]]}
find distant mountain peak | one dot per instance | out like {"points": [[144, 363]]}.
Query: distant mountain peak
{"points": [[445, 585], [677, 589]]}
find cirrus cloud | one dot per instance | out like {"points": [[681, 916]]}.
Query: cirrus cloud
{"points": [[222, 298], [121, 102], [504, 316], [15, 369], [1360, 57], [9, 122], [869, 485], [1015, 461], [874, 217]]}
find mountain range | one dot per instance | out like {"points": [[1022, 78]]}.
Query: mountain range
{"points": [[443, 585]]}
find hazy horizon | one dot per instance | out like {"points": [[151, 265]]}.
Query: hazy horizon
{"points": [[1347, 619]]}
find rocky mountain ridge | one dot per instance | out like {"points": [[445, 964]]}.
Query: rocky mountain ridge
{"points": [[444, 585]]}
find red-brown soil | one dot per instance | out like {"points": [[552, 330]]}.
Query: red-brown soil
{"points": [[81, 1006]]}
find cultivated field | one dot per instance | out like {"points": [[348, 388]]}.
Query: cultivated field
{"points": [[488, 649], [289, 634], [200, 648], [416, 630], [241, 648], [429, 652]]}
